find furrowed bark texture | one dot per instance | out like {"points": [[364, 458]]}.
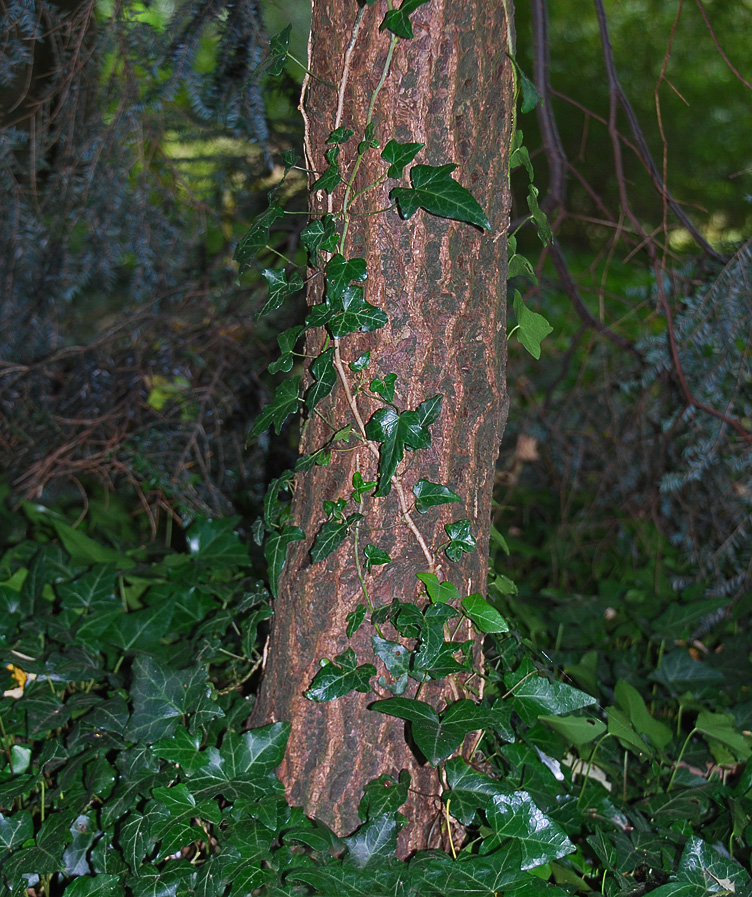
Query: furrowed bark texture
{"points": [[443, 285]]}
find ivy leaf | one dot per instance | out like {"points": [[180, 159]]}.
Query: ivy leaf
{"points": [[577, 730], [533, 328], [533, 695], [340, 135], [331, 535], [320, 235], [361, 486], [461, 540], [398, 155], [274, 507], [355, 619], [284, 404], [326, 376], [396, 658], [398, 20], [15, 829], [337, 678], [331, 176], [428, 495], [341, 272], [539, 216], [516, 816], [530, 95], [375, 556], [286, 341], [352, 313], [384, 795], [361, 362], [385, 387], [290, 159], [397, 432], [279, 287], [519, 266], [373, 841], [485, 617], [275, 552], [434, 190], [256, 237], [437, 737], [439, 592], [519, 155], [278, 46]]}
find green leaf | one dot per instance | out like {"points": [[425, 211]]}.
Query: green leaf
{"points": [[516, 816], [256, 237], [519, 266], [398, 155], [385, 387], [348, 314], [15, 829], [326, 376], [336, 679], [361, 362], [620, 727], [439, 592], [437, 737], [369, 140], [361, 486], [577, 730], [397, 432], [396, 658], [375, 556], [216, 543], [355, 619], [533, 694], [384, 796], [485, 617], [434, 190], [375, 840], [341, 272], [519, 155], [720, 727], [398, 20], [469, 790], [95, 886], [632, 703], [340, 135], [545, 233], [275, 551], [290, 159], [320, 235], [279, 287], [331, 535], [532, 328], [284, 404], [705, 867], [278, 45], [331, 177], [461, 540], [244, 765], [183, 749], [530, 95], [428, 495], [86, 551]]}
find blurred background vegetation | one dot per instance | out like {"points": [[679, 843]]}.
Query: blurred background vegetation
{"points": [[138, 141]]}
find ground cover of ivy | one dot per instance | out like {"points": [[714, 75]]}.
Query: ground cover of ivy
{"points": [[615, 759]]}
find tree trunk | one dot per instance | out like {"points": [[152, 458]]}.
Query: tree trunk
{"points": [[443, 285]]}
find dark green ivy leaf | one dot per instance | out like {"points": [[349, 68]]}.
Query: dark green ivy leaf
{"points": [[383, 796], [461, 541], [397, 432], [428, 495], [398, 20], [331, 535], [533, 694], [398, 155], [336, 679], [320, 235], [375, 556], [385, 387], [519, 155], [485, 617], [278, 45], [348, 314], [325, 377], [355, 619], [516, 816], [256, 237], [275, 552], [361, 362], [434, 190], [331, 176], [279, 287], [374, 840], [284, 404], [539, 216], [286, 341], [340, 135], [341, 272]]}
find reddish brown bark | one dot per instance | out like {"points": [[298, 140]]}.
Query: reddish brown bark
{"points": [[443, 285]]}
